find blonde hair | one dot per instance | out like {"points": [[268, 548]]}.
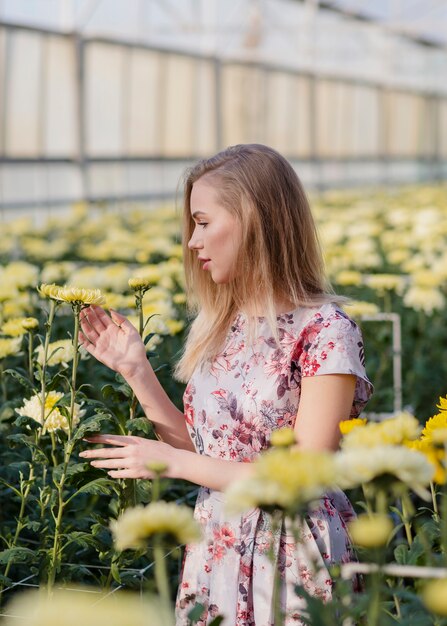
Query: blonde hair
{"points": [[279, 258]]}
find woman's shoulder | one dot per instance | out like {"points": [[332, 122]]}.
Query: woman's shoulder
{"points": [[324, 314]]}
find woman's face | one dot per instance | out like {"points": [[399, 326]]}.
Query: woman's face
{"points": [[217, 234]]}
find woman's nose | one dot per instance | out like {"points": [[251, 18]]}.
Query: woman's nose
{"points": [[195, 242]]}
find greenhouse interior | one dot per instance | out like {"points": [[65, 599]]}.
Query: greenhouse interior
{"points": [[253, 437]]}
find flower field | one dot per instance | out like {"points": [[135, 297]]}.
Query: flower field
{"points": [[62, 520]]}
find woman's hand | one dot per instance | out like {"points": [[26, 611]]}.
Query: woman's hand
{"points": [[129, 456], [112, 340]]}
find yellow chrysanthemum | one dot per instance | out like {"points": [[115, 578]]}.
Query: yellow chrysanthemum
{"points": [[139, 283], [18, 326], [283, 437], [174, 326], [358, 308], [53, 419], [72, 295], [347, 425], [371, 530], [385, 282], [59, 352], [48, 291], [392, 431], [438, 421], [442, 404], [348, 277], [9, 347], [137, 525], [434, 455], [283, 477], [78, 295]]}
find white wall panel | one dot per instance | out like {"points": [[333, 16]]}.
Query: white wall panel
{"points": [[61, 123], [104, 98], [178, 105], [23, 112], [3, 36], [145, 103], [244, 104], [205, 109]]}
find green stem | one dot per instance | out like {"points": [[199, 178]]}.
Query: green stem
{"points": [[161, 575], [48, 325], [76, 311], [444, 524], [56, 551], [407, 509], [30, 356], [3, 385], [434, 500]]}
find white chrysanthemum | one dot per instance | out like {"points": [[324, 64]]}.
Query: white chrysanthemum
{"points": [[137, 525], [354, 467], [243, 495], [53, 419]]}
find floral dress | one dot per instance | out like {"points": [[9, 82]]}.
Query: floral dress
{"points": [[232, 405]]}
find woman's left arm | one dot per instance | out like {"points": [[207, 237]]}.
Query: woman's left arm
{"points": [[325, 401], [129, 457]]}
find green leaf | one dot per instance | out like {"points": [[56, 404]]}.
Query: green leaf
{"points": [[114, 570], [409, 556], [89, 425], [139, 424], [16, 555], [85, 540], [99, 486], [111, 392], [217, 621], [25, 382]]}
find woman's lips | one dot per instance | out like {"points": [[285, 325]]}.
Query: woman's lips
{"points": [[206, 263]]}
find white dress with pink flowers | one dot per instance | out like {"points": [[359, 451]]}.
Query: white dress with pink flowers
{"points": [[232, 405]]}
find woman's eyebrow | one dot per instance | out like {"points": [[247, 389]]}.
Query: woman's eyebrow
{"points": [[198, 213]]}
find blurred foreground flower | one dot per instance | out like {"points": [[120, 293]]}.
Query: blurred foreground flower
{"points": [[434, 596], [391, 431], [283, 477], [347, 425], [357, 466], [53, 417], [137, 525], [82, 606], [371, 531]]}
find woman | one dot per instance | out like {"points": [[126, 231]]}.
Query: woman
{"points": [[269, 348]]}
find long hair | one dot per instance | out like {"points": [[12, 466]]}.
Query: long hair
{"points": [[279, 258]]}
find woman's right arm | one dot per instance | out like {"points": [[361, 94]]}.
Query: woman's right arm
{"points": [[116, 343]]}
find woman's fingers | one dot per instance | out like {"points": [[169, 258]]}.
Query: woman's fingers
{"points": [[111, 464], [104, 453], [116, 440], [124, 473]]}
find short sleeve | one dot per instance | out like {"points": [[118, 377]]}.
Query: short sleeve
{"points": [[332, 343]]}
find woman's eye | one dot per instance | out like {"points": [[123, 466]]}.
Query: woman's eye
{"points": [[204, 224]]}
